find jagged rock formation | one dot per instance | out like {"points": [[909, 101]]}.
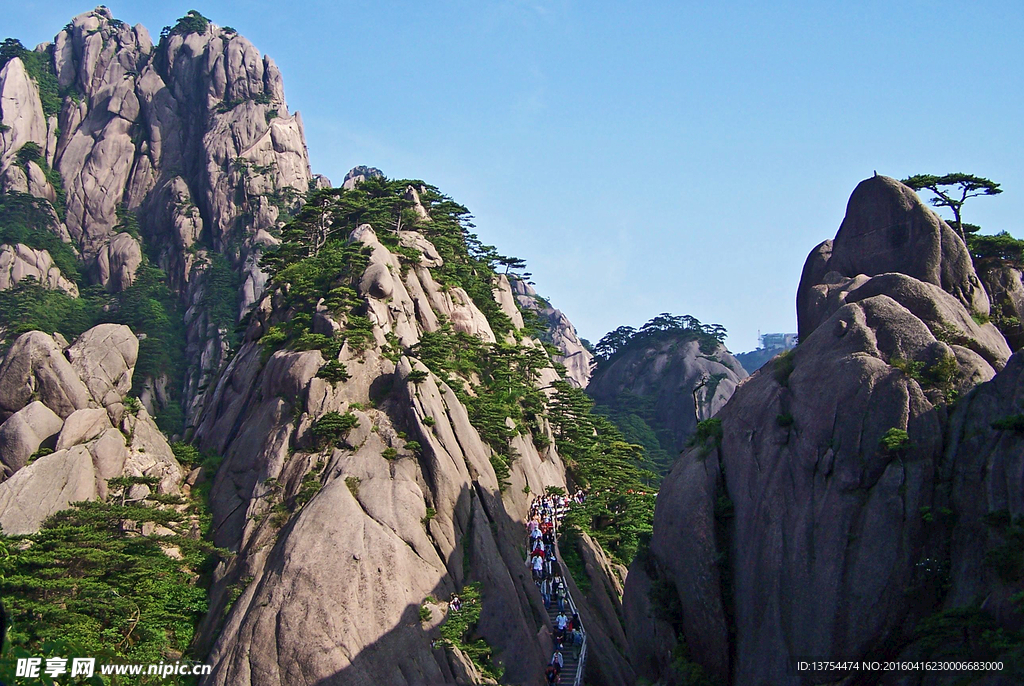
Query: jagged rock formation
{"points": [[811, 525], [19, 262], [193, 135], [21, 113], [406, 507], [70, 401], [357, 175], [574, 356], [651, 384]]}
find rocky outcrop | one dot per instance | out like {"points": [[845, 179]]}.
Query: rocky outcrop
{"points": [[574, 355], [357, 175], [118, 261], [30, 428], [984, 463], [655, 381], [1005, 286], [21, 114], [104, 357], [193, 135], [44, 488], [19, 262], [888, 229], [75, 409], [810, 526], [406, 506], [35, 368]]}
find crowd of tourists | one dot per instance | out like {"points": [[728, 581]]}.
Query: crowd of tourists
{"points": [[546, 513]]}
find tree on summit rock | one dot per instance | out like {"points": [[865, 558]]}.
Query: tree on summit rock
{"points": [[946, 188]]}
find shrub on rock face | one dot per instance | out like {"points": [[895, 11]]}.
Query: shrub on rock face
{"points": [[709, 429], [333, 426], [894, 440], [192, 22], [334, 372]]}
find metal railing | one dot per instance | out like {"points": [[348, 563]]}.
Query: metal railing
{"points": [[582, 659]]}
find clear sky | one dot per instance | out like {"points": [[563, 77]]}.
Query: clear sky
{"points": [[642, 157]]}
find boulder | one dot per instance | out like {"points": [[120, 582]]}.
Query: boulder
{"points": [[24, 432], [35, 369], [357, 175], [104, 357], [82, 426], [1005, 286], [377, 282], [118, 261], [18, 262], [46, 486], [888, 229]]}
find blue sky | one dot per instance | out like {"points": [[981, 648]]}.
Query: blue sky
{"points": [[642, 157]]}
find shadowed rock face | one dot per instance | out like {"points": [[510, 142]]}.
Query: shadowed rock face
{"points": [[1005, 286], [888, 229], [808, 530]]}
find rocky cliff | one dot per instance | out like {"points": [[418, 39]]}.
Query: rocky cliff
{"points": [[375, 473], [856, 500], [657, 388], [185, 150]]}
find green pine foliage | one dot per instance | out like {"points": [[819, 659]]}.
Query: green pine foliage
{"points": [[26, 219], [30, 306], [506, 387], [148, 306], [91, 577], [619, 509], [665, 325], [635, 417], [192, 22], [708, 430], [1001, 247], [458, 632], [220, 294], [334, 426], [895, 440], [333, 371]]}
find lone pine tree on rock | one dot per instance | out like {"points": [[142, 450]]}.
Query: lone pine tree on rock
{"points": [[947, 187]]}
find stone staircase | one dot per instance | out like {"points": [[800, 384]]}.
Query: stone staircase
{"points": [[574, 657], [570, 663]]}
